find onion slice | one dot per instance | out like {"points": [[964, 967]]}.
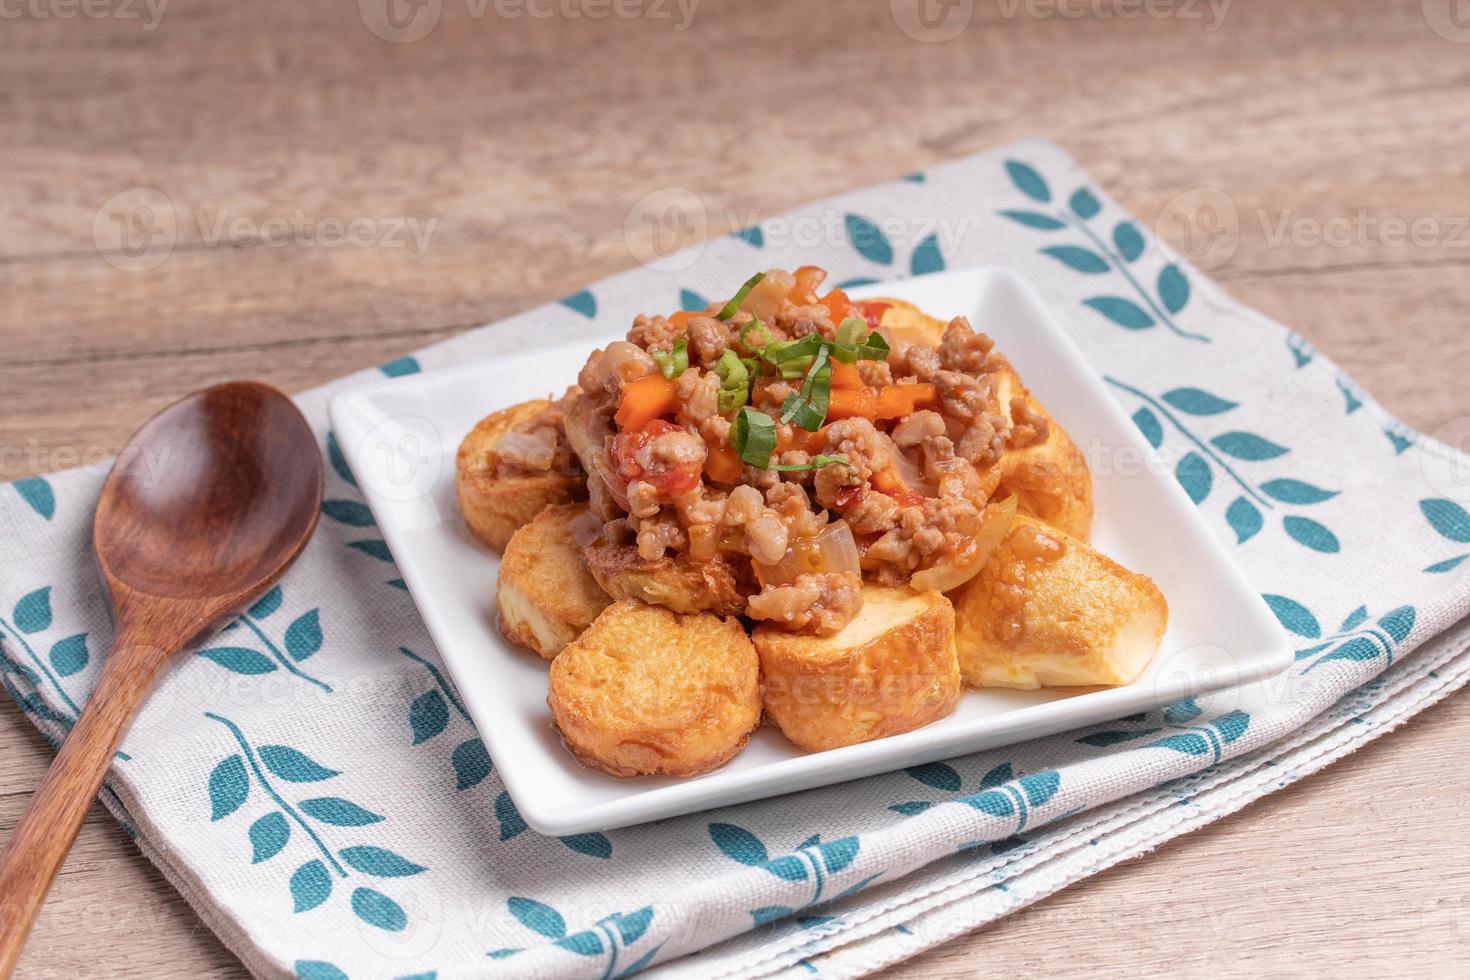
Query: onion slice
{"points": [[833, 549], [995, 523]]}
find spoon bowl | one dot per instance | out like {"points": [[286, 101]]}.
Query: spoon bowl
{"points": [[209, 503]]}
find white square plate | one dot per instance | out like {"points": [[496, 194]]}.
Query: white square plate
{"points": [[400, 436]]}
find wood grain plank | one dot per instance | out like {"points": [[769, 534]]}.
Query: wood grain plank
{"points": [[529, 141]]}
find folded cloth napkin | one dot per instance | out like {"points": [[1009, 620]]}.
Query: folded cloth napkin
{"points": [[312, 785]]}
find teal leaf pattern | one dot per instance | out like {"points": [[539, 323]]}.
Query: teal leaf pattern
{"points": [[1195, 476], [539, 918], [1104, 739], [592, 845], [1125, 246], [1078, 259], [1448, 565], [379, 862], [1127, 240], [690, 300], [1311, 534], [1122, 311], [738, 844], [1028, 181], [752, 236], [293, 765], [338, 812], [1356, 618], [401, 366], [1399, 623], [428, 716], [317, 970], [1034, 219], [266, 604], [1083, 204], [582, 302], [32, 613], [1173, 289], [509, 818], [868, 239], [1196, 401], [1294, 616], [349, 512], [1244, 519], [1296, 492], [927, 257], [268, 836], [471, 764], [239, 660], [37, 493], [1148, 424], [374, 547], [377, 909], [311, 885], [1247, 446], [69, 656], [304, 635], [229, 787], [1445, 516], [938, 775]]}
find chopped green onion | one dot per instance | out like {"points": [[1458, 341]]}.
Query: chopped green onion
{"points": [[875, 348], [854, 342], [734, 381], [672, 363], [852, 330], [749, 329], [730, 308], [754, 437], [817, 462], [809, 407]]}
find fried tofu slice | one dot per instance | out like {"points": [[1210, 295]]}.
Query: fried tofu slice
{"points": [[1048, 476], [678, 583], [891, 670], [1048, 610], [905, 321], [646, 691], [545, 596], [494, 506]]}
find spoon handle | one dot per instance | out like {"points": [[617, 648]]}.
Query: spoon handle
{"points": [[50, 823]]}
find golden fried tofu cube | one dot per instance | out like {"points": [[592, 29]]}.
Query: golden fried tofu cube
{"points": [[1048, 610], [648, 691], [1049, 478], [677, 582], [495, 506], [890, 670], [545, 596]]}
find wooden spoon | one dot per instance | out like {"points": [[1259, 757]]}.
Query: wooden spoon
{"points": [[212, 499]]}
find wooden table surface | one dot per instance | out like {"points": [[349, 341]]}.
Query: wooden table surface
{"points": [[529, 142]]}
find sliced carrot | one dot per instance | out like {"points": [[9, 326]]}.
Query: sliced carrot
{"points": [[900, 401], [723, 465], [681, 319], [837, 304], [847, 403], [845, 375], [808, 278], [644, 400]]}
